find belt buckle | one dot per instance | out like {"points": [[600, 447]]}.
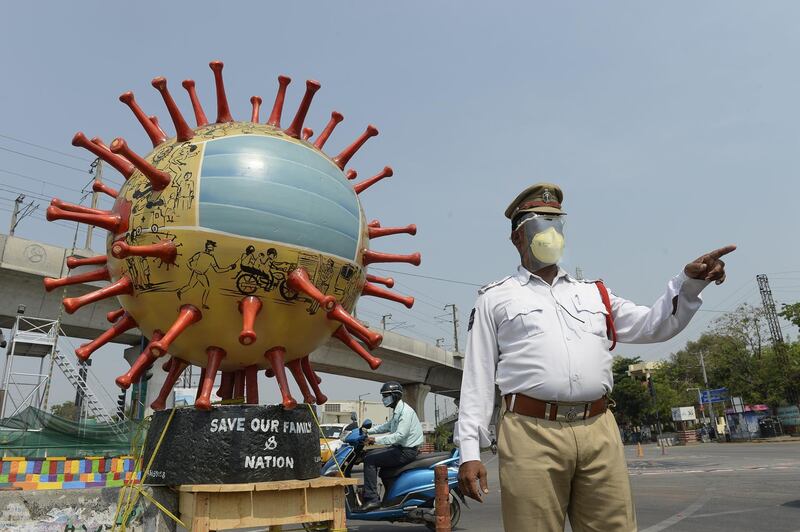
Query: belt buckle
{"points": [[571, 414]]}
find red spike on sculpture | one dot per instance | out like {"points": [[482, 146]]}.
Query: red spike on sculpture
{"points": [[371, 257], [121, 287], [225, 390], [299, 281], [336, 117], [101, 274], [376, 291], [296, 126], [99, 186], [126, 323], [114, 315], [256, 101], [75, 262], [73, 207], [109, 222], [277, 107], [249, 307], [276, 357], [238, 384], [342, 159], [164, 250], [215, 356], [377, 232], [370, 338], [374, 223], [159, 179], [351, 174], [307, 133], [349, 341], [313, 380], [223, 111], [139, 366], [300, 379], [154, 120], [153, 131], [188, 315], [199, 115], [364, 185], [175, 370], [199, 386], [123, 166], [251, 384], [182, 129], [388, 282]]}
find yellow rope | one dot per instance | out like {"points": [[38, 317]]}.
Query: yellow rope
{"points": [[131, 504], [128, 484], [160, 506], [333, 455]]}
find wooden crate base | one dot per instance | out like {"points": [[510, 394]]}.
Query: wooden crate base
{"points": [[205, 507]]}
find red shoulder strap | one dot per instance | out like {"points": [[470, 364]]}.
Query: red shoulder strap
{"points": [[612, 331]]}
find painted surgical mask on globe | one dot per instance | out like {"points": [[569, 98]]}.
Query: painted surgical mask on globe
{"points": [[233, 246]]}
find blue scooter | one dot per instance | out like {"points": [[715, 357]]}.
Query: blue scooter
{"points": [[408, 490]]}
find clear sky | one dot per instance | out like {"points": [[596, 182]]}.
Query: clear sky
{"points": [[672, 127]]}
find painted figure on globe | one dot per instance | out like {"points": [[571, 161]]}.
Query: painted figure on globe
{"points": [[233, 246]]}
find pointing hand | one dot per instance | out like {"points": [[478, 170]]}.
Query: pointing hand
{"points": [[709, 267]]}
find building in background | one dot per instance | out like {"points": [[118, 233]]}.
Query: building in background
{"points": [[340, 411]]}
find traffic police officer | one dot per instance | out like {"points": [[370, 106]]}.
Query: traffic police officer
{"points": [[544, 338]]}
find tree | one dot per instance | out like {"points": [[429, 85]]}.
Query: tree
{"points": [[66, 410], [791, 313], [633, 403]]}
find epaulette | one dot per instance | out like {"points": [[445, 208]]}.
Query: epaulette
{"points": [[483, 289]]}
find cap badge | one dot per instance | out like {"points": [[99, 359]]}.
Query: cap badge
{"points": [[546, 197]]}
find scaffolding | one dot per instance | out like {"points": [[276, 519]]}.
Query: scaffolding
{"points": [[38, 338], [30, 338]]}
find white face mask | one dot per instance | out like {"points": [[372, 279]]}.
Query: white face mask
{"points": [[387, 400], [544, 235], [547, 246]]}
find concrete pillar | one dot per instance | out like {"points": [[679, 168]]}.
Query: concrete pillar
{"points": [[414, 395]]}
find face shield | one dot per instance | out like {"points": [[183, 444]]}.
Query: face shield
{"points": [[542, 239]]}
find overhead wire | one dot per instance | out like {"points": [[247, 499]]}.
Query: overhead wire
{"points": [[29, 143], [23, 154]]}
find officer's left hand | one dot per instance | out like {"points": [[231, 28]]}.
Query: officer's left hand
{"points": [[709, 267]]}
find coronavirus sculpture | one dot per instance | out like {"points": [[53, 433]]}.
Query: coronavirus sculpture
{"points": [[234, 246]]}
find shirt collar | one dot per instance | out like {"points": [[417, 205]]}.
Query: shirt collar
{"points": [[523, 276]]}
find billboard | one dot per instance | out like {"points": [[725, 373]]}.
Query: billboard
{"points": [[683, 413], [717, 395]]}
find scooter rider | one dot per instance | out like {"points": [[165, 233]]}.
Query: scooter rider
{"points": [[404, 438]]}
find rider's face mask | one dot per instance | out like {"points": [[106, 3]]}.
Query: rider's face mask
{"points": [[387, 400], [542, 239]]}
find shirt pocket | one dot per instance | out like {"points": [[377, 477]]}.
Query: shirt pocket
{"points": [[524, 319], [592, 314]]}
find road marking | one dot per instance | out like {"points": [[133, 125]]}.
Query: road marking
{"points": [[644, 472], [680, 516], [715, 514]]}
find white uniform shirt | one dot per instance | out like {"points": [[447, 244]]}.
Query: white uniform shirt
{"points": [[550, 342]]}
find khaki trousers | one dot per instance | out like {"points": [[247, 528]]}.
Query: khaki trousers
{"points": [[551, 469]]}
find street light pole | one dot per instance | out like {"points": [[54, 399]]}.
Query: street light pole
{"points": [[361, 406], [699, 400], [710, 404]]}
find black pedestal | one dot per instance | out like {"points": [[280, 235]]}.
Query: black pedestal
{"points": [[233, 444]]}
